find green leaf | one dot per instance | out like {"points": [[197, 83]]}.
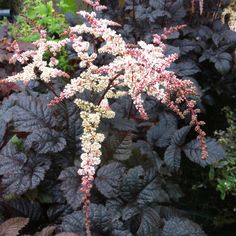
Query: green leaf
{"points": [[121, 3], [17, 142], [71, 5], [44, 9]]}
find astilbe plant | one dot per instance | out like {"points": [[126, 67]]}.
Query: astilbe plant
{"points": [[135, 70]]}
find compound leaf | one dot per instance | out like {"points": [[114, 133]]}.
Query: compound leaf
{"points": [[129, 211], [185, 68], [123, 124], [75, 221], [3, 129], [173, 191]]}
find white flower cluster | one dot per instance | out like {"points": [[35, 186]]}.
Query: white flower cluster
{"points": [[91, 144], [103, 109], [38, 68]]}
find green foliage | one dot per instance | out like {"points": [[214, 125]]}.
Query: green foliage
{"points": [[121, 3], [72, 5], [63, 60], [226, 175], [17, 142], [36, 15]]}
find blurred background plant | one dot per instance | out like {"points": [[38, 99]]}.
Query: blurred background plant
{"points": [[33, 16], [229, 15], [225, 174]]}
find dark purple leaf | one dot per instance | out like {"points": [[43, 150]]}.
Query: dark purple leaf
{"points": [[215, 152], [161, 134], [45, 140], [70, 186], [172, 157], [20, 172], [109, 178], [182, 227]]}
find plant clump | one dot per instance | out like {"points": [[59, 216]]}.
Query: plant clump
{"points": [[96, 148], [133, 70]]}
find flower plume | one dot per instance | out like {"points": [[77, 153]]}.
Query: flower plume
{"points": [[139, 70]]}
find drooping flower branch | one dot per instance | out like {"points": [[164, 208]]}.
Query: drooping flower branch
{"points": [[134, 71]]}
